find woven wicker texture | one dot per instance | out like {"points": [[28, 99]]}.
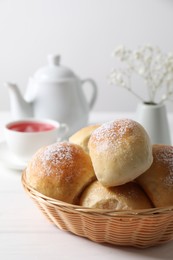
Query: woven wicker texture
{"points": [[139, 228]]}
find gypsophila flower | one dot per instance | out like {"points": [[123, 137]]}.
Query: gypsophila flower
{"points": [[152, 65]]}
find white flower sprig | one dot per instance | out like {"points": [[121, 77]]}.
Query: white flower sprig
{"points": [[152, 65]]}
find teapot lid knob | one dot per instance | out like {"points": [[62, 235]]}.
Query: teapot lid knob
{"points": [[53, 59], [54, 71]]}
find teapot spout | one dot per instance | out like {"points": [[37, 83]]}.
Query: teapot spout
{"points": [[19, 107]]}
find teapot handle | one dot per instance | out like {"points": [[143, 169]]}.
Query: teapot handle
{"points": [[94, 91]]}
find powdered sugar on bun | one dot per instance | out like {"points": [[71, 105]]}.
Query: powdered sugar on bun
{"points": [[120, 151], [129, 196], [157, 181], [82, 136], [61, 171]]}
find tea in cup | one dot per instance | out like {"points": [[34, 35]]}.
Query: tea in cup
{"points": [[24, 137]]}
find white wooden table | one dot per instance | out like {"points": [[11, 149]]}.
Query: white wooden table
{"points": [[26, 234]]}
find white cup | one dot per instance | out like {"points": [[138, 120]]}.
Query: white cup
{"points": [[24, 137]]}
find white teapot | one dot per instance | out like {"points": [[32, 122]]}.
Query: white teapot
{"points": [[54, 92]]}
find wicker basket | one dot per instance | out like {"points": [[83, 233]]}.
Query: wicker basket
{"points": [[139, 228]]}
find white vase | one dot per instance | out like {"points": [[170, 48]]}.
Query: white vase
{"points": [[154, 119]]}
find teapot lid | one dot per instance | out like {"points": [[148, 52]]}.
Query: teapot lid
{"points": [[53, 71]]}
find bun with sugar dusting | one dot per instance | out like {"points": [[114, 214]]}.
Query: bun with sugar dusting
{"points": [[125, 197], [82, 136], [157, 181], [120, 151], [60, 171]]}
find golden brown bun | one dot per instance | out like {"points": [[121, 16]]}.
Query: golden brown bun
{"points": [[61, 171], [82, 136], [157, 181], [125, 197], [120, 151]]}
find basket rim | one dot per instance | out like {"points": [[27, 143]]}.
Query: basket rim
{"points": [[54, 202]]}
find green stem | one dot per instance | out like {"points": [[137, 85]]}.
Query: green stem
{"points": [[136, 95]]}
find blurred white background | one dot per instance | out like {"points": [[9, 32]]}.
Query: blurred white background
{"points": [[84, 32]]}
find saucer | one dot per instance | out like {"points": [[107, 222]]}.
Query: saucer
{"points": [[9, 160]]}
